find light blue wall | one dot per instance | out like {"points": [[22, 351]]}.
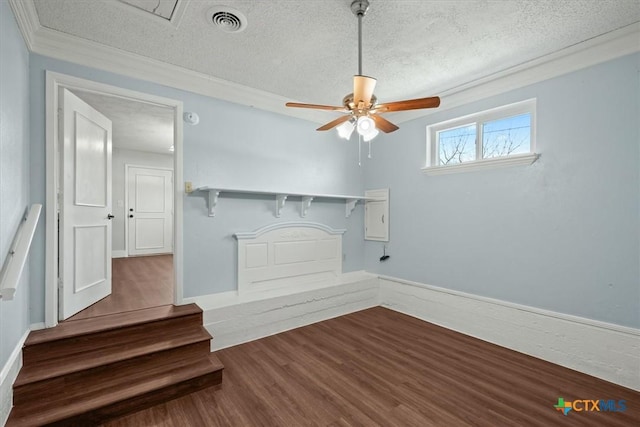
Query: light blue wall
{"points": [[233, 146], [562, 234], [240, 147], [14, 169]]}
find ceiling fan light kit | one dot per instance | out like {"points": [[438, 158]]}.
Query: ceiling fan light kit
{"points": [[363, 113], [346, 129], [370, 135], [366, 126]]}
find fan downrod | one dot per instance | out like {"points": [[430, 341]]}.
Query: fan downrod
{"points": [[359, 9]]}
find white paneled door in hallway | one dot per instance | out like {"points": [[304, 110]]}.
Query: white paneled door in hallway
{"points": [[85, 206], [149, 210]]}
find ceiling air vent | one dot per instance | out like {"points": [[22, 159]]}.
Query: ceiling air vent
{"points": [[227, 19]]}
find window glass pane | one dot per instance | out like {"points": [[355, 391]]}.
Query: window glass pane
{"points": [[508, 136], [457, 145]]}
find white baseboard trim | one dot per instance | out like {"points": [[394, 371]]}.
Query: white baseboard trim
{"points": [[37, 326], [235, 319], [604, 350], [8, 377], [119, 254]]}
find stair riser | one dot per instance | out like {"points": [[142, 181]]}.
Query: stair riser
{"points": [[32, 354], [112, 352], [145, 401], [41, 390]]}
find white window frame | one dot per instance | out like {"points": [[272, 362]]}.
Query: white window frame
{"points": [[523, 107]]}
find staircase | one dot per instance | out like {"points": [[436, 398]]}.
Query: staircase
{"points": [[85, 372]]}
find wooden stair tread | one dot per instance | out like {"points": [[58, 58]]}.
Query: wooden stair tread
{"points": [[114, 351], [109, 388], [89, 371], [108, 322]]}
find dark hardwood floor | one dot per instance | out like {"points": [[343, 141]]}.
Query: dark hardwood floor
{"points": [[137, 282], [381, 368]]}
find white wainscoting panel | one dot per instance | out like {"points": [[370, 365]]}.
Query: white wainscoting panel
{"points": [[600, 349], [8, 376], [234, 318], [288, 253]]}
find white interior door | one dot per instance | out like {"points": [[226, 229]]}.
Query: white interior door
{"points": [[85, 206], [150, 210]]}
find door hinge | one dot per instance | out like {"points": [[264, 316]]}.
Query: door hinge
{"points": [[59, 283]]}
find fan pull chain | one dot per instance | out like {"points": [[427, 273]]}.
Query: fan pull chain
{"points": [[359, 150], [369, 156]]}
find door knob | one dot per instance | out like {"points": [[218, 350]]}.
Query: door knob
{"points": [[109, 216]]}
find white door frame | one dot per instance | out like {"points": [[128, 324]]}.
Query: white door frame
{"points": [[55, 81], [126, 199]]}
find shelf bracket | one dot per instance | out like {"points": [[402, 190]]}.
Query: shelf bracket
{"points": [[213, 201], [280, 199], [350, 205], [306, 203]]}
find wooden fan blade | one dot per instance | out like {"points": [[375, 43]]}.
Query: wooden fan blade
{"points": [[335, 122], [315, 106], [383, 124], [409, 104], [363, 87]]}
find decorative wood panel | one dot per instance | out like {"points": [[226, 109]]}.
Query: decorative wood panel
{"points": [[288, 253]]}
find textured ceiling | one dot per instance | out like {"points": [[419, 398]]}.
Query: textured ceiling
{"points": [[307, 50], [162, 8], [136, 125]]}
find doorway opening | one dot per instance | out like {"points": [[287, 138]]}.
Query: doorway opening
{"points": [[145, 205], [142, 272]]}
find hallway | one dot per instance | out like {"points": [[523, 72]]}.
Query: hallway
{"points": [[137, 282]]}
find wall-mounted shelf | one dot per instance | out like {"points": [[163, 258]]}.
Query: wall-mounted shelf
{"points": [[281, 198]]}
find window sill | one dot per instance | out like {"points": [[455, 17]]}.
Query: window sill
{"points": [[498, 162]]}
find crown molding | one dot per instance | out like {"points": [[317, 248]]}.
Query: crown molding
{"points": [[27, 19], [603, 48], [58, 45], [66, 47]]}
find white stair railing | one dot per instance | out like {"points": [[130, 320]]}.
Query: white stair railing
{"points": [[17, 257]]}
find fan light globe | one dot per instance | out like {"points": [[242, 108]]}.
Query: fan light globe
{"points": [[365, 125], [346, 129], [372, 134], [367, 128]]}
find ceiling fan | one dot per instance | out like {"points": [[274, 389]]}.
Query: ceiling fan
{"points": [[361, 106]]}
